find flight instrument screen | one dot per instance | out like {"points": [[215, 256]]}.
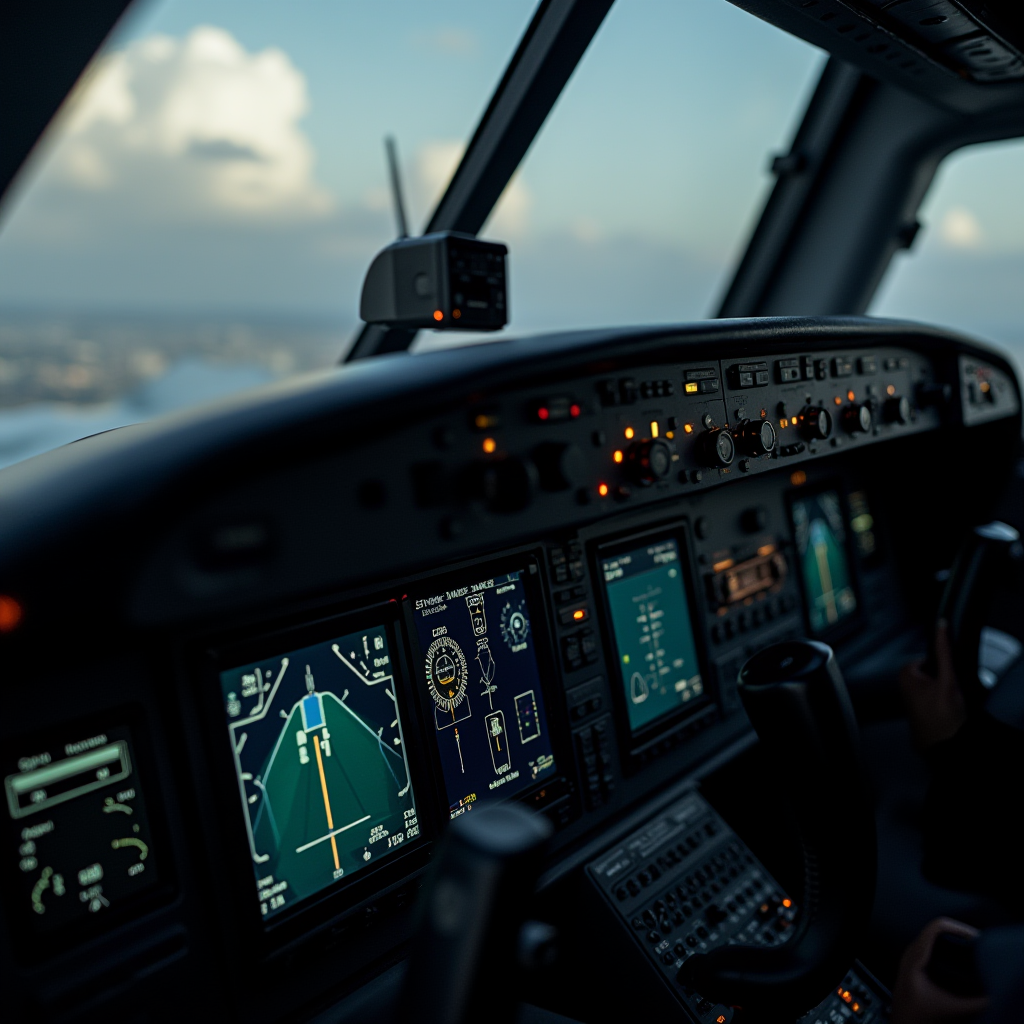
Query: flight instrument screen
{"points": [[650, 617], [480, 670], [316, 736], [820, 535]]}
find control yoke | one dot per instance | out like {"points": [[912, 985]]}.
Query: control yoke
{"points": [[967, 600], [797, 702], [468, 947]]}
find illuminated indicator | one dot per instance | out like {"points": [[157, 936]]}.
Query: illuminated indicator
{"points": [[543, 412], [787, 903], [617, 456], [574, 410], [688, 428], [602, 489], [985, 386], [891, 389], [580, 614], [490, 445], [765, 550], [764, 413], [654, 427], [484, 420], [783, 423], [726, 563], [855, 1007], [456, 313], [850, 395], [629, 433], [10, 613], [691, 389], [798, 477], [670, 434], [720, 1019], [838, 400], [438, 315]]}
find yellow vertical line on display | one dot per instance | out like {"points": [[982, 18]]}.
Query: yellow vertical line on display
{"points": [[327, 802]]}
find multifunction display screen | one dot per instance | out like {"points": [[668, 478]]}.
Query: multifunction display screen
{"points": [[82, 840], [480, 671], [650, 618], [820, 536], [316, 736]]}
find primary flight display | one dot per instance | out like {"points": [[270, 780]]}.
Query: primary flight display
{"points": [[316, 736], [480, 670]]}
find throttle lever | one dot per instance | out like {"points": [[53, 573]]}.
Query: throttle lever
{"points": [[467, 953], [966, 601], [796, 699]]}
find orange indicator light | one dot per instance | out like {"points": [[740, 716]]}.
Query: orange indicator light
{"points": [[985, 387], [691, 389], [456, 313], [438, 315], [764, 413], [720, 1019], [850, 395], [654, 428], [846, 996], [783, 423], [574, 411], [670, 434], [726, 563], [602, 489], [855, 1007], [787, 903], [10, 614], [617, 457], [579, 615], [629, 433], [837, 400], [764, 551], [688, 428], [490, 445], [798, 477], [891, 389]]}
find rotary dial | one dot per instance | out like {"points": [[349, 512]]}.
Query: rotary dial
{"points": [[515, 626], [447, 674]]}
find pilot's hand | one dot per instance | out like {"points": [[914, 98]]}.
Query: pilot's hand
{"points": [[916, 999], [935, 706]]}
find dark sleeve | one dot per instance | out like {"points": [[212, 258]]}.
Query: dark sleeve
{"points": [[973, 810]]}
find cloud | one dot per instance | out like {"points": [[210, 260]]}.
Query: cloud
{"points": [[959, 229], [192, 127], [452, 42], [433, 166]]}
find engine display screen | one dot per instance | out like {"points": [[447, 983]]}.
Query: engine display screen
{"points": [[316, 736], [82, 841], [480, 671], [650, 619], [820, 534]]}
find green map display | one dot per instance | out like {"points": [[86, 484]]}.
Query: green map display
{"points": [[320, 759], [821, 547], [653, 635]]}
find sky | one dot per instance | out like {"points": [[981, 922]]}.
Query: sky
{"points": [[227, 155]]}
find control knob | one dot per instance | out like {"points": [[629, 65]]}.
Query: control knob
{"points": [[896, 410], [756, 437], [559, 466], [857, 418], [716, 447], [649, 461], [815, 423]]}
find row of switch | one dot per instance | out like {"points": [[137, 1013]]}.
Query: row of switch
{"points": [[750, 618], [594, 748]]}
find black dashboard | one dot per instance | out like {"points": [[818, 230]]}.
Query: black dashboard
{"points": [[257, 656]]}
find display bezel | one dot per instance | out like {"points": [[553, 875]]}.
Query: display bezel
{"points": [[346, 894], [637, 742], [851, 623], [33, 945], [544, 792]]}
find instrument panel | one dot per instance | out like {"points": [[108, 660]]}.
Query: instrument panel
{"points": [[536, 583]]}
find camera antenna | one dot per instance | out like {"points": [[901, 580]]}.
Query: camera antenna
{"points": [[396, 185]]}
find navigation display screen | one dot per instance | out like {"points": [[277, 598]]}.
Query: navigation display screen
{"points": [[820, 536], [319, 753], [650, 618], [480, 671]]}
